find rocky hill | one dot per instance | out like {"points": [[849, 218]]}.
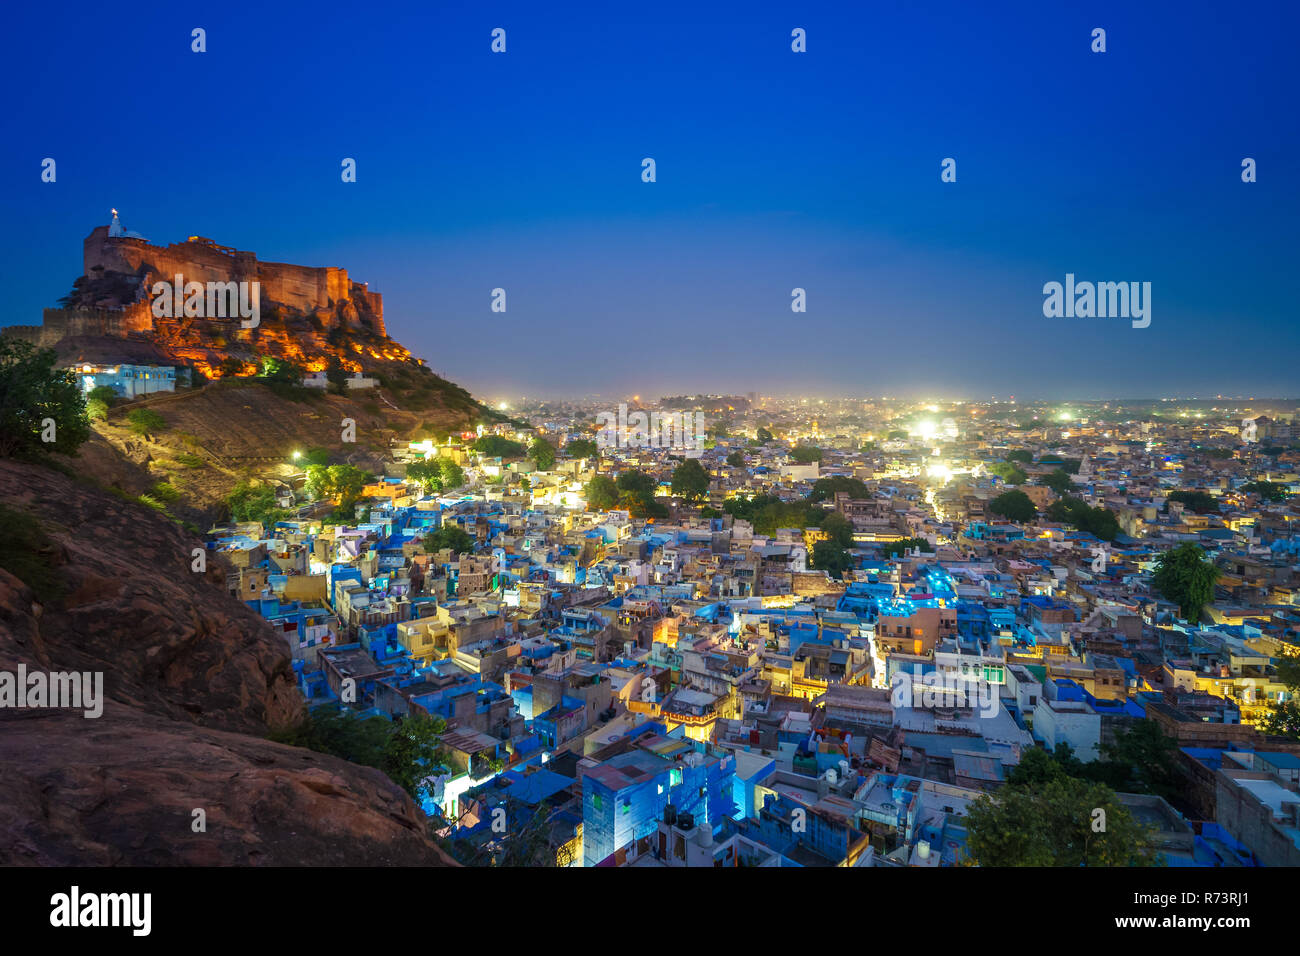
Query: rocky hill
{"points": [[193, 681]]}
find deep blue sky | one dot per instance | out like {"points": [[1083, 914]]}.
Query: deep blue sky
{"points": [[775, 170]]}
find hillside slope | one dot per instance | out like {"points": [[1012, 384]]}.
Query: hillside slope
{"points": [[238, 429], [193, 680]]}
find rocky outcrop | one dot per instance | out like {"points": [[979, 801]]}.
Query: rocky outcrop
{"points": [[123, 790], [193, 680]]}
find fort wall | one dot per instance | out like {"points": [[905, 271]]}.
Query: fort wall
{"points": [[302, 288], [59, 324]]}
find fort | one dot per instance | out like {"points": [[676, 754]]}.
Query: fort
{"points": [[303, 308]]}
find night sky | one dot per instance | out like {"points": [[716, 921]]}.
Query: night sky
{"points": [[818, 170]]}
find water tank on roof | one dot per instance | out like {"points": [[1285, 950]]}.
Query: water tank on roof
{"points": [[923, 849]]}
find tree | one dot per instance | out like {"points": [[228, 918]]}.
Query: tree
{"points": [[825, 489], [1014, 506], [495, 446], [428, 473], [582, 448], [905, 545], [1021, 455], [1058, 481], [451, 536], [1012, 474], [542, 453], [453, 475], [346, 483], [104, 393], [254, 503], [736, 459], [1267, 490], [343, 483], [280, 370], [1144, 761], [763, 436], [1186, 576], [839, 529], [1200, 502], [829, 556], [1283, 718], [1075, 511], [636, 493], [690, 480], [805, 454], [1050, 819], [601, 492], [413, 751], [896, 434], [336, 375], [408, 751], [38, 402]]}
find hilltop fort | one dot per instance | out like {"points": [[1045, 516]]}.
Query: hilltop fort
{"points": [[308, 313]]}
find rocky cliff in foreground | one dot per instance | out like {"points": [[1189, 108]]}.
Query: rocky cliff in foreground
{"points": [[192, 681]]}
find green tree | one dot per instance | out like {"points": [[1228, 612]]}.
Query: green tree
{"points": [[346, 482], [1200, 502], [690, 480], [582, 448], [763, 436], [1283, 718], [453, 475], [805, 454], [414, 751], [497, 446], [1075, 511], [736, 459], [104, 393], [1143, 759], [1058, 481], [542, 453], [428, 473], [1051, 822], [601, 492], [1186, 576], [636, 493], [1011, 473], [1267, 490], [280, 370], [254, 503], [451, 536], [38, 401], [839, 528], [906, 544], [829, 556], [825, 489], [1021, 455], [1014, 506]]}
